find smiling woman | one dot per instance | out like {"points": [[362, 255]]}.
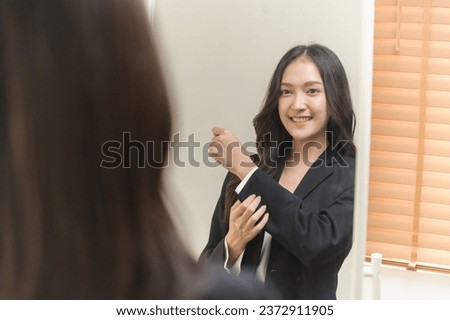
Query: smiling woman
{"points": [[293, 217], [302, 106]]}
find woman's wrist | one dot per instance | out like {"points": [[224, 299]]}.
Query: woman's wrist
{"points": [[234, 249], [244, 169]]}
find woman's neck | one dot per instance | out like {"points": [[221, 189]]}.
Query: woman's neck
{"points": [[307, 152]]}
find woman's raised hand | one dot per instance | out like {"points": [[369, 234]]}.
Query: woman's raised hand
{"points": [[228, 151], [243, 225]]}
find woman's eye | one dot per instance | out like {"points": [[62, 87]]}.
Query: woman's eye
{"points": [[284, 92], [312, 91]]}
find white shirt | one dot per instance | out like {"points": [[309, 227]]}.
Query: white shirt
{"points": [[265, 250]]}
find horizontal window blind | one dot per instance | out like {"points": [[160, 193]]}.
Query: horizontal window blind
{"points": [[409, 191]]}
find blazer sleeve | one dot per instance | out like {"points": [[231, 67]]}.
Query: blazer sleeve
{"points": [[215, 248], [314, 236]]}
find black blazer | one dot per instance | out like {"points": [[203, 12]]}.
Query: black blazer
{"points": [[311, 228], [219, 285]]}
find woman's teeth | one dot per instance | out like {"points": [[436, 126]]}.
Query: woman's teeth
{"points": [[301, 119]]}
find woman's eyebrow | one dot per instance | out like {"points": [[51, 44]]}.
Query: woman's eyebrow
{"points": [[308, 83]]}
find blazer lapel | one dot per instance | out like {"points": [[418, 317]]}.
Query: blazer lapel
{"points": [[317, 173]]}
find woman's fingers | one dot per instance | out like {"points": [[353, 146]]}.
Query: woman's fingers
{"points": [[239, 208], [215, 150], [253, 220], [246, 221], [226, 149], [235, 205], [217, 145], [251, 208], [262, 223], [217, 131], [257, 222]]}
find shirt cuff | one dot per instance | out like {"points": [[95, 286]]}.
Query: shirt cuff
{"points": [[244, 181], [236, 267]]}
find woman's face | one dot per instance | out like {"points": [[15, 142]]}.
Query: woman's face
{"points": [[302, 104]]}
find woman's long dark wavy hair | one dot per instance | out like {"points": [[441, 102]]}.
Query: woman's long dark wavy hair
{"points": [[73, 75], [272, 139]]}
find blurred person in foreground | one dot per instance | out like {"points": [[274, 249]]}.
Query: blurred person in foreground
{"points": [[76, 74]]}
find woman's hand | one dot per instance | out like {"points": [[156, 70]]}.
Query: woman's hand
{"points": [[228, 151], [243, 227]]}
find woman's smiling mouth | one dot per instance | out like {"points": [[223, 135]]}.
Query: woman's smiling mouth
{"points": [[300, 119]]}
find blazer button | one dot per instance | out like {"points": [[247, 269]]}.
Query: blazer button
{"points": [[273, 270]]}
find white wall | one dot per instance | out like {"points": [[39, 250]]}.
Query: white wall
{"points": [[400, 284], [219, 56]]}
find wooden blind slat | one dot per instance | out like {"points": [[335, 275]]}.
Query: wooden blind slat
{"points": [[437, 180], [437, 148], [414, 3], [396, 63], [381, 3], [438, 49], [411, 31], [437, 131], [388, 79], [390, 221], [391, 191], [439, 3], [389, 14], [439, 65], [440, 15], [411, 14], [393, 144], [438, 256], [436, 163], [390, 251], [394, 175], [439, 98], [395, 128], [435, 195], [388, 30], [403, 112], [390, 206], [439, 82], [389, 236], [401, 96], [386, 143], [435, 211], [436, 227], [434, 241], [393, 160], [438, 115]]}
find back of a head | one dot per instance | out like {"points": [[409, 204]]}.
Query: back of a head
{"points": [[76, 74]]}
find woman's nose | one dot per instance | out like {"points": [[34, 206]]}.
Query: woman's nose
{"points": [[299, 103]]}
